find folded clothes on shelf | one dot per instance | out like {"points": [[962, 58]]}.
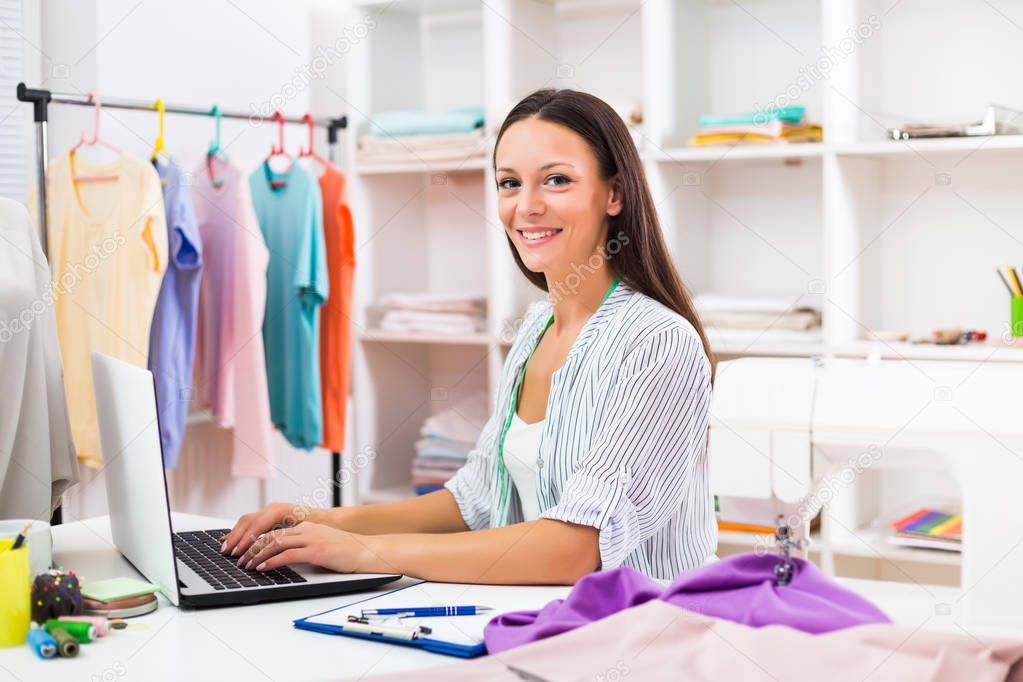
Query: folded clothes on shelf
{"points": [[443, 147], [752, 338], [447, 439], [409, 136], [786, 124], [785, 319], [408, 122], [448, 324], [445, 314]]}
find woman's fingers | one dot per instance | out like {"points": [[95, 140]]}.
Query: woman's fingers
{"points": [[288, 556], [268, 545], [241, 536], [231, 539], [245, 532]]}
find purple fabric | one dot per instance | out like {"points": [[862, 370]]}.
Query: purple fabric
{"points": [[740, 589]]}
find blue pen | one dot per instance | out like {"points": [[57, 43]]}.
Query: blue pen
{"points": [[429, 611]]}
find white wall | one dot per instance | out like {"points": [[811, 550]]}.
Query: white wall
{"points": [[242, 56]]}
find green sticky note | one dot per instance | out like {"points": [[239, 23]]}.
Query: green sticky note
{"points": [[118, 588]]}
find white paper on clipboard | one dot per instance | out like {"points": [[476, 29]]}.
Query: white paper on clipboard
{"points": [[464, 630]]}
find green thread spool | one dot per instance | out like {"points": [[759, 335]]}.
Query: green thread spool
{"points": [[67, 646], [83, 632], [1016, 315]]}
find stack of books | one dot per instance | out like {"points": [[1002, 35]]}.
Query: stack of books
{"points": [[782, 125], [929, 528]]}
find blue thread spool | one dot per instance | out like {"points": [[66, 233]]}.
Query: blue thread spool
{"points": [[42, 643]]}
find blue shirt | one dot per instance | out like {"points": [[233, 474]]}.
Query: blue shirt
{"points": [[172, 334], [291, 219], [624, 445]]}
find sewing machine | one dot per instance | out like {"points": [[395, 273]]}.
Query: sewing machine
{"points": [[776, 422]]}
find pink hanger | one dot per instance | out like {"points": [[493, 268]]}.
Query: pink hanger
{"points": [[83, 141]]}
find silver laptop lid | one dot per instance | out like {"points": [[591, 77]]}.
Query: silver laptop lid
{"points": [[129, 432]]}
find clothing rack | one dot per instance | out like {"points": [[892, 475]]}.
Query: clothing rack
{"points": [[42, 99]]}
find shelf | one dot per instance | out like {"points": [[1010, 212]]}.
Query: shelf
{"points": [[471, 165], [772, 350], [380, 336], [739, 153], [421, 6], [874, 545], [933, 146], [977, 352]]}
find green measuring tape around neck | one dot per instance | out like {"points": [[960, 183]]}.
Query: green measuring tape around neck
{"points": [[502, 472]]}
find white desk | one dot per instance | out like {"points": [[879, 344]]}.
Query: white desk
{"points": [[259, 642]]}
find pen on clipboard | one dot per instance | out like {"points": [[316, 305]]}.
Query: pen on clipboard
{"points": [[396, 631], [428, 611]]}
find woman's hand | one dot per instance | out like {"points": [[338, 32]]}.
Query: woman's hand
{"points": [[277, 515], [308, 542]]}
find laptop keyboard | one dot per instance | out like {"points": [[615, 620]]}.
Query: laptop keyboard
{"points": [[200, 551]]}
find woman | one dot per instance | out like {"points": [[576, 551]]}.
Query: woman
{"points": [[595, 455]]}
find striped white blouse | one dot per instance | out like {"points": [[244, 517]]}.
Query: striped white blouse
{"points": [[624, 446]]}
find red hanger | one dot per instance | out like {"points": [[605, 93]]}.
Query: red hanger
{"points": [[309, 152], [278, 149]]}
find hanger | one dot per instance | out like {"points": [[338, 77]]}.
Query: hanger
{"points": [[278, 150], [159, 147], [309, 152], [215, 150], [84, 141]]}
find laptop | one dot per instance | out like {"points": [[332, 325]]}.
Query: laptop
{"points": [[187, 566]]}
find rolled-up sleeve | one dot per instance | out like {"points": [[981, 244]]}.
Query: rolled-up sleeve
{"points": [[648, 451], [472, 485]]}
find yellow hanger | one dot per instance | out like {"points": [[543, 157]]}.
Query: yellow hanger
{"points": [[159, 145]]}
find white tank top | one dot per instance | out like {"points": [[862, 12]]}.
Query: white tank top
{"points": [[521, 451]]}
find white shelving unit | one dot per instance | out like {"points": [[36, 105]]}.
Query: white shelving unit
{"points": [[895, 235]]}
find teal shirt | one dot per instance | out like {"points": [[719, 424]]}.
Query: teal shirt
{"points": [[291, 219]]}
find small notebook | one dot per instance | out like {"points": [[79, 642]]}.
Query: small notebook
{"points": [[117, 588], [451, 635]]}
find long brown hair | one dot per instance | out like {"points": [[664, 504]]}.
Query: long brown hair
{"points": [[641, 259]]}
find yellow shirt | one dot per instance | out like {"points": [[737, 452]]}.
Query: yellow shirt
{"points": [[108, 252]]}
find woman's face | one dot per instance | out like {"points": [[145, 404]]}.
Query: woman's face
{"points": [[551, 198]]}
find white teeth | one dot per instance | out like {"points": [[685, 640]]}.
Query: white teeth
{"points": [[538, 235]]}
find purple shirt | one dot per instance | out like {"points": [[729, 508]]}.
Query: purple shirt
{"points": [[740, 588], [172, 335]]}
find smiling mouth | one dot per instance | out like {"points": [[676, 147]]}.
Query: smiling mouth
{"points": [[538, 235]]}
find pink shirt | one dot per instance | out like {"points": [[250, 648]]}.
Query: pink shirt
{"points": [[230, 370]]}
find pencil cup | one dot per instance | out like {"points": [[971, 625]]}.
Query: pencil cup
{"points": [[15, 583], [1016, 315]]}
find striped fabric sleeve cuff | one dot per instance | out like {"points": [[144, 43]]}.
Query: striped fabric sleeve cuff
{"points": [[473, 505], [600, 504]]}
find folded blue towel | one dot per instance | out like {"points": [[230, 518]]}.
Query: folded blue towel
{"points": [[793, 114], [406, 122]]}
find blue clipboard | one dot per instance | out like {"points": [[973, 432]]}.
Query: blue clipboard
{"points": [[437, 646]]}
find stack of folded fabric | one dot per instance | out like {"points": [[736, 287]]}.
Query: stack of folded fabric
{"points": [[781, 319], [448, 314], [409, 136], [786, 124], [447, 439], [929, 528]]}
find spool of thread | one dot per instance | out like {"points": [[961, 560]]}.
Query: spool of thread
{"points": [[102, 624], [67, 646], [83, 632], [42, 642]]}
